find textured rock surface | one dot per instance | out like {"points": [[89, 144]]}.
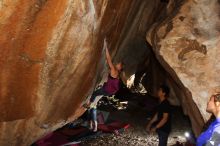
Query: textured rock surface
{"points": [[47, 47], [188, 40], [51, 49]]}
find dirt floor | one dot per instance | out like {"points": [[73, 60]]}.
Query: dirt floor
{"points": [[137, 115]]}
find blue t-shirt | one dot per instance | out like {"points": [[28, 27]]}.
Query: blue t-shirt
{"points": [[211, 137]]}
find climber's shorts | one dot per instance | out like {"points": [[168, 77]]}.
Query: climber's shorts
{"points": [[92, 114]]}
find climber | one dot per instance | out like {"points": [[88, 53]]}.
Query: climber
{"points": [[109, 88], [161, 122], [211, 136]]}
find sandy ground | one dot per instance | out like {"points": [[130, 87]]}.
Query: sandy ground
{"points": [[136, 135]]}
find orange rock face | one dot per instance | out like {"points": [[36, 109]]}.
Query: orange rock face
{"points": [[25, 34], [51, 57], [50, 51]]}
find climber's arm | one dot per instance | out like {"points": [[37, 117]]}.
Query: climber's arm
{"points": [[108, 57]]}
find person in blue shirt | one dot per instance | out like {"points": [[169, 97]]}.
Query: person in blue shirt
{"points": [[211, 137]]}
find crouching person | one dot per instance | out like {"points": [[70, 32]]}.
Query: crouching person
{"points": [[211, 137], [161, 122]]}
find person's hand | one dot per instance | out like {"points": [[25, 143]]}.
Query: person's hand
{"points": [[87, 105], [105, 44], [153, 130], [148, 127]]}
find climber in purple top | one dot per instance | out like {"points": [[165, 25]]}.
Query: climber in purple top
{"points": [[109, 88], [211, 137]]}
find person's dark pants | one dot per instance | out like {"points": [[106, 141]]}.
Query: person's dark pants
{"points": [[98, 92], [163, 137]]}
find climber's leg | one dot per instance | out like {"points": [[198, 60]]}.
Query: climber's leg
{"points": [[95, 126], [94, 119]]}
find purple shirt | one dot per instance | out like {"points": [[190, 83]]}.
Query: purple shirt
{"points": [[112, 85], [211, 136]]}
